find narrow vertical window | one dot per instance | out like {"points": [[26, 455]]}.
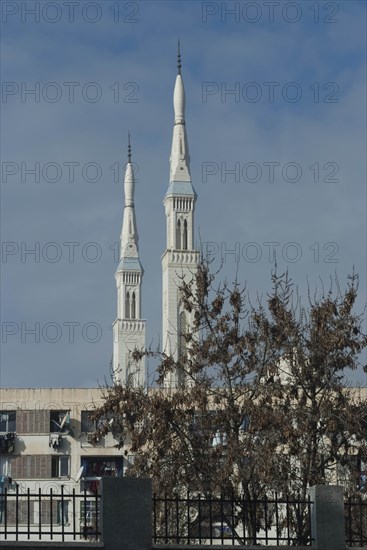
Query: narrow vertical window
{"points": [[178, 235], [184, 237], [133, 306], [127, 305]]}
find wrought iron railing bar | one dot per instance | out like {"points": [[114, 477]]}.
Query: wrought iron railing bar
{"points": [[349, 508], [232, 519], [5, 512], [255, 515], [211, 519], [97, 514], [221, 519], [154, 519], [85, 515], [16, 511], [188, 517], [199, 516], [51, 513], [309, 518], [243, 507], [28, 515], [177, 518], [277, 518], [74, 514], [360, 522], [299, 524], [288, 521], [266, 520], [166, 518], [62, 514], [40, 513]]}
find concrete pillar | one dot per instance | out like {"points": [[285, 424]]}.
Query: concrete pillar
{"points": [[327, 517], [126, 513]]}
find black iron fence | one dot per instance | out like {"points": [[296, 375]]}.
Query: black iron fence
{"points": [[181, 519], [49, 516], [356, 522], [231, 520]]}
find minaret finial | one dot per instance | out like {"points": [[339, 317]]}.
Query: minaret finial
{"points": [[178, 57], [128, 148]]}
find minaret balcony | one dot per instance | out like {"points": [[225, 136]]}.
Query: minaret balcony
{"points": [[180, 257], [131, 325]]}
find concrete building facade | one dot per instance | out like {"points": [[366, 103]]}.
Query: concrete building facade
{"points": [[45, 444]]}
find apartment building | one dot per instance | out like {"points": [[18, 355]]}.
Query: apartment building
{"points": [[45, 445], [45, 439]]}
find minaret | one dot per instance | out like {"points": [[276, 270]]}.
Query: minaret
{"points": [[180, 259], [129, 327]]}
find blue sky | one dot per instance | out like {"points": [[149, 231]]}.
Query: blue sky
{"points": [[314, 207]]}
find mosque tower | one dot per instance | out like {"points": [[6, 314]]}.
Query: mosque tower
{"points": [[180, 259], [129, 327]]}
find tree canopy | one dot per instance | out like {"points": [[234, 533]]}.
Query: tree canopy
{"points": [[264, 405]]}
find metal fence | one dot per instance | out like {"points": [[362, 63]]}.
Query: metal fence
{"points": [[356, 522], [231, 520], [49, 516], [189, 519]]}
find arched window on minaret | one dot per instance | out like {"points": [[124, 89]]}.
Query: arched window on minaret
{"points": [[133, 306], [127, 305], [178, 235], [184, 236]]}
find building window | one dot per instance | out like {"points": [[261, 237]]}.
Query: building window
{"points": [[127, 305], [7, 421], [62, 512], [102, 466], [184, 236], [21, 511], [178, 235], [5, 466], [60, 466], [59, 421], [133, 306], [87, 424]]}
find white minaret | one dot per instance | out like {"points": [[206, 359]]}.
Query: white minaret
{"points": [[129, 327], [179, 259]]}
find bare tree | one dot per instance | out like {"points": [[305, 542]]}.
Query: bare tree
{"points": [[263, 406]]}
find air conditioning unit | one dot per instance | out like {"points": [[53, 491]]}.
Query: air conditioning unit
{"points": [[7, 443]]}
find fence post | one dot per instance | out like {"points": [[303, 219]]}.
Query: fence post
{"points": [[327, 517], [126, 513]]}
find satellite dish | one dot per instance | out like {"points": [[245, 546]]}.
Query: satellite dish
{"points": [[79, 474]]}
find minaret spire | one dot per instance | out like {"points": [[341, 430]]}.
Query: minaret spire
{"points": [[129, 327], [180, 259], [129, 234], [180, 158]]}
